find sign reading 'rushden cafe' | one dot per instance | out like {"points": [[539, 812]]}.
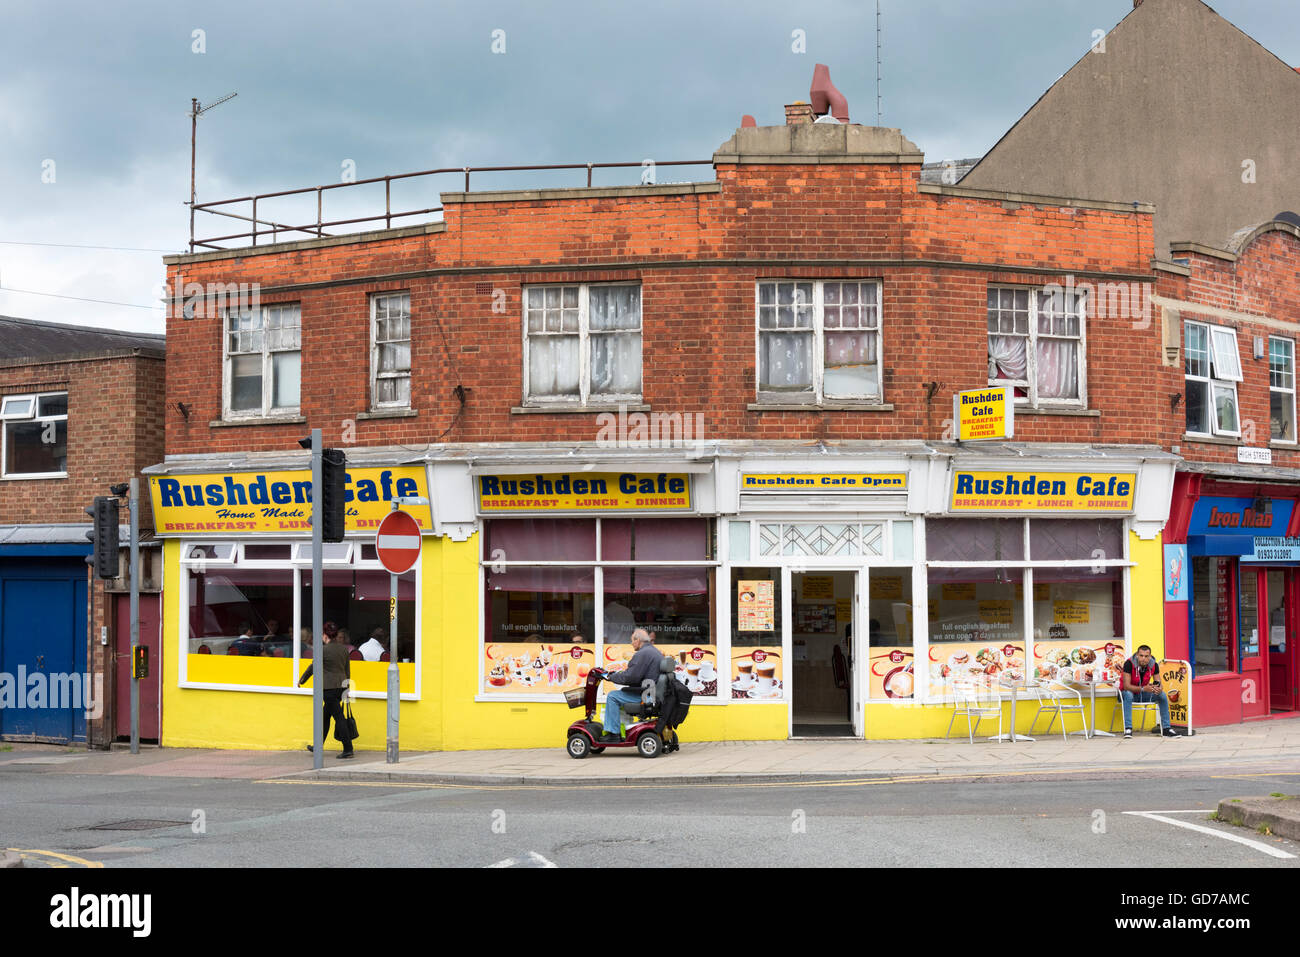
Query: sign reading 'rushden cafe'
{"points": [[278, 501], [1043, 491], [584, 491]]}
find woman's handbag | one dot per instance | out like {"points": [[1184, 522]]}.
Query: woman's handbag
{"points": [[348, 722]]}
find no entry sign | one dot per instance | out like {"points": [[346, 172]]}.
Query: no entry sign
{"points": [[398, 542]]}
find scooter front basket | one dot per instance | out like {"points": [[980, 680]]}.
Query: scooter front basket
{"points": [[576, 697]]}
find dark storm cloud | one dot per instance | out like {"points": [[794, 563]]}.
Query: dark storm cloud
{"points": [[397, 85]]}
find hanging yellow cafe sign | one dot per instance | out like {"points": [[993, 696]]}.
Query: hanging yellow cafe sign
{"points": [[260, 502]]}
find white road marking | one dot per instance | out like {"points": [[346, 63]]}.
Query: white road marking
{"points": [[1155, 816], [536, 860]]}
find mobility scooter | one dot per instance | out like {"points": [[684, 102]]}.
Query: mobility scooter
{"points": [[662, 708]]}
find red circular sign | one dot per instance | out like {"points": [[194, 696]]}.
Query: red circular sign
{"points": [[896, 656], [397, 541], [759, 656]]}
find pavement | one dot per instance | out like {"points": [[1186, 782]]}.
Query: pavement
{"points": [[1266, 745]]}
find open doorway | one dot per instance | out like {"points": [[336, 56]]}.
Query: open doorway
{"points": [[821, 627]]}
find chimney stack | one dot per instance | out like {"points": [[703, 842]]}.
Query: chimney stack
{"points": [[797, 113]]}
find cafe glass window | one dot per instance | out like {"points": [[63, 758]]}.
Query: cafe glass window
{"points": [[977, 575], [546, 579], [250, 605]]}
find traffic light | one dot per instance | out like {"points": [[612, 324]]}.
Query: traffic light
{"points": [[103, 535], [139, 661], [334, 480]]}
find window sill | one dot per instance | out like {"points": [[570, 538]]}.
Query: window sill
{"points": [[259, 420], [1280, 444], [34, 477], [1211, 440], [388, 414], [823, 407], [561, 409], [1048, 410]]}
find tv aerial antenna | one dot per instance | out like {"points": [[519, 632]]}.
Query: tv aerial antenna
{"points": [[197, 110]]}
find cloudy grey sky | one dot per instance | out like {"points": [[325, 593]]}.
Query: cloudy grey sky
{"points": [[96, 97]]}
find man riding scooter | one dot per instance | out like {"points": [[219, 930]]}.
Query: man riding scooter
{"points": [[644, 664]]}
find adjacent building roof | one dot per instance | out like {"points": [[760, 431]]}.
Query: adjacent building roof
{"points": [[1175, 107], [33, 339]]}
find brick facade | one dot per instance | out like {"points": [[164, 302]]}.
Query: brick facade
{"points": [[697, 253]]}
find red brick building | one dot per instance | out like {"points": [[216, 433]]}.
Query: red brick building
{"points": [[1235, 521], [647, 405], [81, 409]]}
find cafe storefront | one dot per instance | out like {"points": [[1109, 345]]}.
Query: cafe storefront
{"points": [[1232, 592], [801, 591]]}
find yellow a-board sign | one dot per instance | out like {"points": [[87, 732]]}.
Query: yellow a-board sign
{"points": [[984, 414]]}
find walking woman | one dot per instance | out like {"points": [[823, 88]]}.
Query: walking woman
{"points": [[338, 670]]}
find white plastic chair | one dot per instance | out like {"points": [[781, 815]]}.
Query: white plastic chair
{"points": [[1146, 707], [974, 702], [1058, 700]]}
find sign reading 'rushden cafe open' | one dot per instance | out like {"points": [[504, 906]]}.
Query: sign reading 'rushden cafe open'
{"points": [[1043, 491]]}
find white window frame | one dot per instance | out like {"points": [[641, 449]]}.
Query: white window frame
{"points": [[817, 395], [584, 333], [1224, 360], [30, 414], [1282, 390], [1032, 399], [266, 411], [376, 376]]}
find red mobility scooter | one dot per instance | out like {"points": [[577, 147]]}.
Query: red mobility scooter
{"points": [[663, 707]]}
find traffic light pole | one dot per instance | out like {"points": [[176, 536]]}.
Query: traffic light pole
{"points": [[317, 604], [135, 613]]}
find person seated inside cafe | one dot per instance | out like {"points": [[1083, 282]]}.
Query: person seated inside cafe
{"points": [[1141, 682]]}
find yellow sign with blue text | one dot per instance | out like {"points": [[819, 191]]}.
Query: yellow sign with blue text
{"points": [[825, 482], [279, 502], [1093, 492], [984, 414], [584, 492]]}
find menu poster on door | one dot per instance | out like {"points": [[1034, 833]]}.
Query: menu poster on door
{"points": [[756, 606]]}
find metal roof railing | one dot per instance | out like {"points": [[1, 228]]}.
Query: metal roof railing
{"points": [[273, 229]]}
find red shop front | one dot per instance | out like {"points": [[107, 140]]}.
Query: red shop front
{"points": [[1232, 595]]}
